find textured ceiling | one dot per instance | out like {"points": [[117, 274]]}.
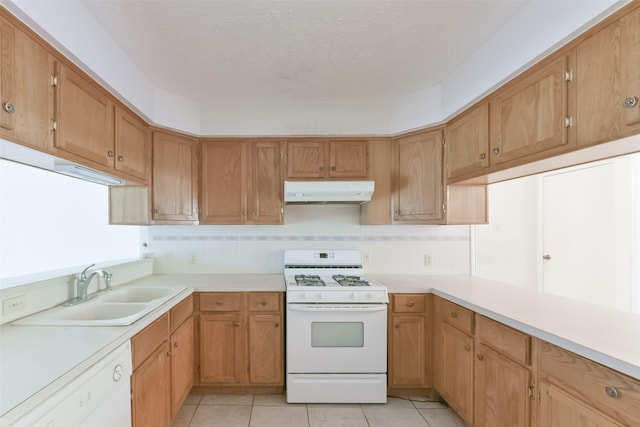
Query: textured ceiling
{"points": [[299, 51]]}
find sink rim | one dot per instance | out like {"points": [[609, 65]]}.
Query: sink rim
{"points": [[58, 315]]}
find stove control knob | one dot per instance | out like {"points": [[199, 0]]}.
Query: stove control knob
{"points": [[319, 295], [353, 296], [370, 295]]}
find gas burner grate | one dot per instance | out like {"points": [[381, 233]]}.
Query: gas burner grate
{"points": [[308, 280], [350, 280]]}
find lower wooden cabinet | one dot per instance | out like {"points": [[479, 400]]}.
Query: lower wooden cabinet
{"points": [[162, 367], [241, 339], [456, 370], [409, 342]]}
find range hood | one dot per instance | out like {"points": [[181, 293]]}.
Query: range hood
{"points": [[328, 191]]}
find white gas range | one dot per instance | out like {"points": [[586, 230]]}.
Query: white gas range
{"points": [[336, 329]]}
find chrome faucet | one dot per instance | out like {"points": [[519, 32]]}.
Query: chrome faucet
{"points": [[83, 284]]}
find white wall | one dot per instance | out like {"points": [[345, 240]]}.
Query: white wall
{"points": [[51, 222], [395, 249]]}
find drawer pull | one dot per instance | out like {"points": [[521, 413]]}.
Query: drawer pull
{"points": [[277, 325], [9, 108], [411, 304], [263, 303], [480, 357], [219, 302], [467, 347], [629, 102], [611, 392], [454, 314]]}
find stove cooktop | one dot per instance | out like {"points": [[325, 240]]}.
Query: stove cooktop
{"points": [[336, 279]]}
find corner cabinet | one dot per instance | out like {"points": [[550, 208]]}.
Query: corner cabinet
{"points": [[26, 93], [418, 187], [240, 341], [174, 179], [241, 182], [327, 159], [410, 337]]}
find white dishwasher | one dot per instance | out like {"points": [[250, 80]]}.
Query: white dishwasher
{"points": [[99, 397]]}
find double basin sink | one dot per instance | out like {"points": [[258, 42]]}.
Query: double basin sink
{"points": [[119, 307]]}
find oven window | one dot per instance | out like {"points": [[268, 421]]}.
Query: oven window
{"points": [[337, 334]]}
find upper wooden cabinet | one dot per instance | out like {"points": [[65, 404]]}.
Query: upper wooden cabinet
{"points": [[533, 114], [84, 117], [321, 159], [418, 186], [467, 142], [174, 178], [26, 93], [608, 80], [132, 145], [242, 182]]}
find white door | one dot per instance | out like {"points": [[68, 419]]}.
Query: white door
{"points": [[586, 234]]}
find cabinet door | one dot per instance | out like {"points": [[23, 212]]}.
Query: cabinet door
{"points": [[182, 360], [532, 116], [225, 182], [150, 397], [560, 409], [221, 349], [306, 159], [501, 390], [133, 145], [407, 364], [418, 184], [467, 143], [174, 179], [265, 349], [267, 198], [456, 370], [25, 88], [348, 159], [84, 118]]}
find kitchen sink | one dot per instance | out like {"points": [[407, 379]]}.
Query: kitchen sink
{"points": [[119, 307]]}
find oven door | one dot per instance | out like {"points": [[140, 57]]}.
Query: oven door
{"points": [[336, 338]]}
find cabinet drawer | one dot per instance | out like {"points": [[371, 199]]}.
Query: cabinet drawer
{"points": [[611, 392], [264, 301], [409, 303], [181, 312], [147, 340], [221, 301], [507, 341], [456, 315]]}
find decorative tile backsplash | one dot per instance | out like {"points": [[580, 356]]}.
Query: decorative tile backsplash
{"points": [[398, 249]]}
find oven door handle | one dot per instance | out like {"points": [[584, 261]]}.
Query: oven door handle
{"points": [[328, 308]]}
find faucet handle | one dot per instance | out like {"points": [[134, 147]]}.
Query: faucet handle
{"points": [[83, 275]]}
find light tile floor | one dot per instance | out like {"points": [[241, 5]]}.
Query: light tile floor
{"points": [[273, 411]]}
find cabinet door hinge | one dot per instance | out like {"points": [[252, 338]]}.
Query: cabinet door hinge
{"points": [[539, 397], [568, 75], [568, 122], [54, 125], [444, 208], [54, 80]]}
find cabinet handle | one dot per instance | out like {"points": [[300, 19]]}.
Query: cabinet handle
{"points": [[454, 314], [611, 392], [175, 344], [483, 156], [333, 168], [9, 108], [263, 303], [156, 210], [629, 102], [467, 347], [120, 158], [411, 304], [110, 153], [480, 357], [496, 151], [237, 324], [219, 302], [168, 354], [546, 257], [277, 325]]}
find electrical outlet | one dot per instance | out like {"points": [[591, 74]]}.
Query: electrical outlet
{"points": [[428, 260], [14, 304], [365, 258]]}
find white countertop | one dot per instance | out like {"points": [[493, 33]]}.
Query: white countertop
{"points": [[608, 336], [37, 361]]}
